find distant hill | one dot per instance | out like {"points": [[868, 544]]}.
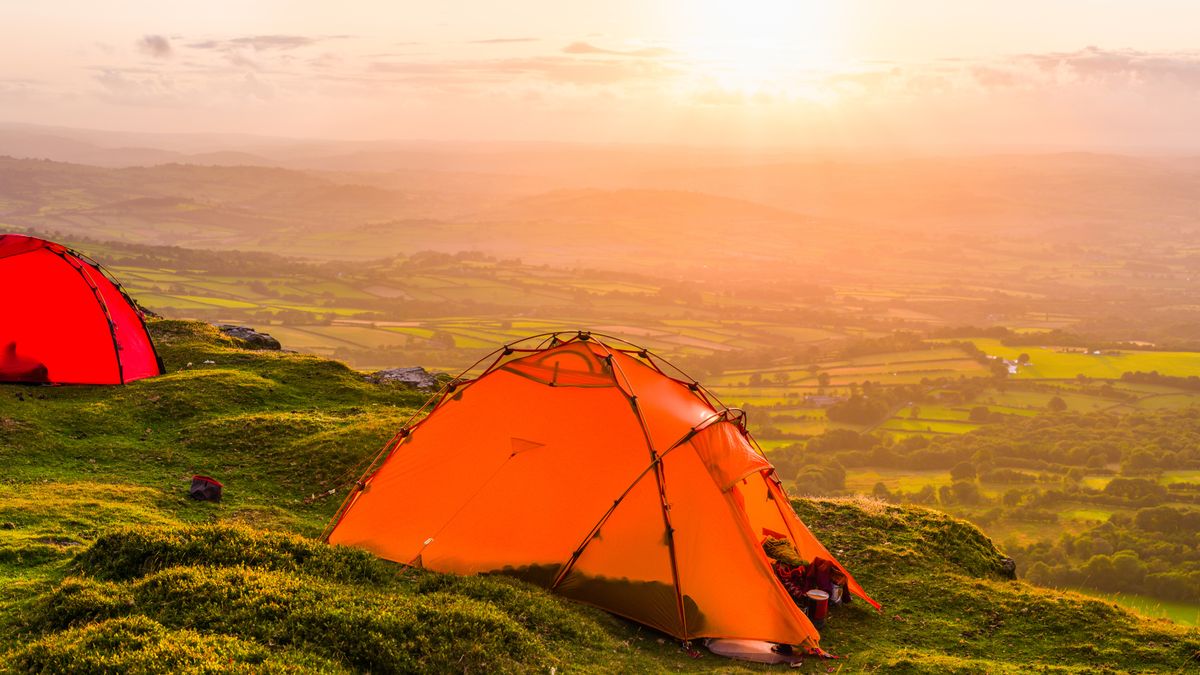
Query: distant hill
{"points": [[629, 206], [1074, 191], [672, 207]]}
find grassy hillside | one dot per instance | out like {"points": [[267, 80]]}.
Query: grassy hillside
{"points": [[107, 566]]}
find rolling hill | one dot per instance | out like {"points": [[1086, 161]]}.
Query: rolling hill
{"points": [[106, 565]]}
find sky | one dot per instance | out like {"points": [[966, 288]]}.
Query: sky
{"points": [[1047, 74]]}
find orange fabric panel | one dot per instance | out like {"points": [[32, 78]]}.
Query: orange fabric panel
{"points": [[761, 510], [808, 545], [727, 455], [626, 567], [510, 472], [721, 566], [575, 364], [669, 408]]}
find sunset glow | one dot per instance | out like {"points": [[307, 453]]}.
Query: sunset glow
{"points": [[795, 73], [769, 46]]}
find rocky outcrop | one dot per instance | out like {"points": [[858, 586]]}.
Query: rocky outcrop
{"points": [[252, 338], [415, 376]]}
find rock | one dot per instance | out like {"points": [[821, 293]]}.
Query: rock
{"points": [[8, 526], [415, 376], [1008, 568], [252, 338]]}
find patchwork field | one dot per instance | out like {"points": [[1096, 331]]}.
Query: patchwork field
{"points": [[1066, 363]]}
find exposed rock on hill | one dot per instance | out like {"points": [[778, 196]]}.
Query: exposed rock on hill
{"points": [[252, 338], [415, 376]]}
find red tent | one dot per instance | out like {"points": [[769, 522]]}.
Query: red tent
{"points": [[64, 321]]}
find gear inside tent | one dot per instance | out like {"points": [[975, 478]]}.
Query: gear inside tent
{"points": [[579, 464], [63, 320]]}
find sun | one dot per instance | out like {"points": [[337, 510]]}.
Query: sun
{"points": [[755, 46]]}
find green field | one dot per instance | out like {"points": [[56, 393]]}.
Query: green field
{"points": [[1062, 363], [862, 481]]}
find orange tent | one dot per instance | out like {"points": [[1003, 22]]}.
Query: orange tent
{"points": [[586, 469]]}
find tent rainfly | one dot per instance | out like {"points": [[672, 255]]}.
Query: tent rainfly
{"points": [[583, 467], [64, 321]]}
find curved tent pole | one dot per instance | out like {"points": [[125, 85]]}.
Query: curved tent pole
{"points": [[661, 480], [570, 564]]}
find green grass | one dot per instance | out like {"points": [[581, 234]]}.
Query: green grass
{"points": [[1168, 401], [935, 426], [1087, 515], [1187, 614], [1169, 477], [862, 481], [1052, 363], [107, 566]]}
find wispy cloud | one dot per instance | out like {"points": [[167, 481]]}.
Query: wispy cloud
{"points": [[1094, 63], [501, 41], [588, 48], [264, 42], [551, 68], [137, 87]]}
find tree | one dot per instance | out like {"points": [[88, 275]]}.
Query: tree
{"points": [[963, 471], [822, 381], [914, 412], [998, 368], [1136, 489], [881, 491], [945, 495], [926, 495], [1023, 359], [1056, 404], [979, 414], [965, 492], [1139, 462], [858, 410], [442, 340]]}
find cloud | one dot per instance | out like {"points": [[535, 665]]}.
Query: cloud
{"points": [[993, 77], [498, 41], [263, 42], [1096, 64], [240, 60], [1116, 72], [551, 68], [588, 48], [155, 45], [137, 87]]}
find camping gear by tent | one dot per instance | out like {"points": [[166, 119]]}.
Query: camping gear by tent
{"points": [[582, 466], [205, 489], [64, 321], [757, 651]]}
